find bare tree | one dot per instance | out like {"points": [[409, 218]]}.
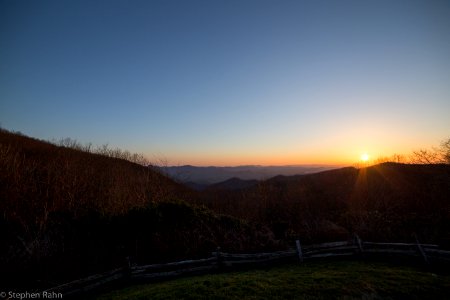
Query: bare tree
{"points": [[445, 151], [439, 155]]}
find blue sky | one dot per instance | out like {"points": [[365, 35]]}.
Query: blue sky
{"points": [[229, 82]]}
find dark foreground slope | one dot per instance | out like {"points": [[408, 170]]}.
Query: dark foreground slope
{"points": [[67, 213], [383, 202]]}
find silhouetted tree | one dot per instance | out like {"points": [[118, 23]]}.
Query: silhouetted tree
{"points": [[445, 151], [439, 155]]}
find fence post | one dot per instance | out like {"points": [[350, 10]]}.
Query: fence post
{"points": [[219, 259], [299, 250], [127, 267], [421, 251], [358, 243]]}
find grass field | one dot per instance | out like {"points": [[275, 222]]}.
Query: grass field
{"points": [[312, 280]]}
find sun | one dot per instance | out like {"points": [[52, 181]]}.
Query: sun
{"points": [[365, 157]]}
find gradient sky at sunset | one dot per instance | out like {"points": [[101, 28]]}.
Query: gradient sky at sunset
{"points": [[229, 82]]}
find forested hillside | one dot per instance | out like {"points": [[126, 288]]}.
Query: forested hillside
{"points": [[389, 201], [67, 213]]}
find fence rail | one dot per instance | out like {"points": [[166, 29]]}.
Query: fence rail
{"points": [[222, 261]]}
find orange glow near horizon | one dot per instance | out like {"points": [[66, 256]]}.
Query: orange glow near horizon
{"points": [[343, 150], [340, 143], [330, 155], [339, 158]]}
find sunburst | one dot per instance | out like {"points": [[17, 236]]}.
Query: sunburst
{"points": [[365, 157]]}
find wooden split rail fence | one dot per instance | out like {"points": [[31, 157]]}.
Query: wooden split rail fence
{"points": [[221, 261]]}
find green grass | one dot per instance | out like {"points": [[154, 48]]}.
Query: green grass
{"points": [[313, 280]]}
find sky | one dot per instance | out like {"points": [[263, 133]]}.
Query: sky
{"points": [[229, 82]]}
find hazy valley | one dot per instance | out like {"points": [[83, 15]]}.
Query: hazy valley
{"points": [[204, 176]]}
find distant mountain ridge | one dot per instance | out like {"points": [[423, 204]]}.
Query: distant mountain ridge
{"points": [[234, 184], [205, 176]]}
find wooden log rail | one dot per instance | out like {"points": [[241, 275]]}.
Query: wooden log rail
{"points": [[220, 261]]}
